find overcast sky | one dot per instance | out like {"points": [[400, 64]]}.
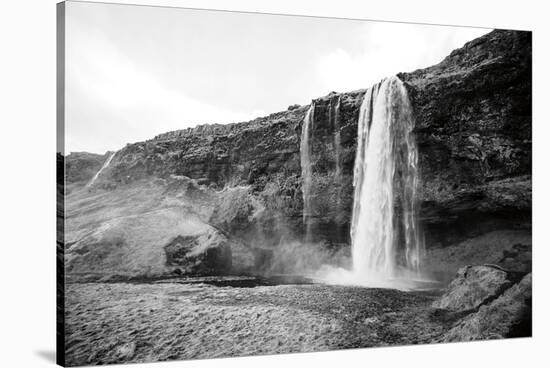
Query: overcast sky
{"points": [[134, 71]]}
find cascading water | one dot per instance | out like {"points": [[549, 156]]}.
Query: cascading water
{"points": [[338, 178], [306, 140], [385, 186], [103, 167], [305, 162], [387, 244]]}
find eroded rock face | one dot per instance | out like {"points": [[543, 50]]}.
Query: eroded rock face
{"points": [[151, 229], [208, 253], [509, 315], [474, 286], [473, 129]]}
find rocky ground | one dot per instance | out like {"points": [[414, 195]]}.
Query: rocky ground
{"points": [[213, 317], [114, 323]]}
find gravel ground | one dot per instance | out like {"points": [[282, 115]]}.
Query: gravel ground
{"points": [[192, 319]]}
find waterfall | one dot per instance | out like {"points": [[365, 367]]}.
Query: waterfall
{"points": [[103, 167], [337, 140], [305, 162], [338, 178], [386, 239]]}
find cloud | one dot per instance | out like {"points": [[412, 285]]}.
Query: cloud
{"points": [[112, 97], [134, 72], [387, 49]]}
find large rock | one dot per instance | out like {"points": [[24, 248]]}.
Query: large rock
{"points": [[207, 253], [147, 229], [507, 316], [474, 286]]}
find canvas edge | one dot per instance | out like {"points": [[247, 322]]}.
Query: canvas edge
{"points": [[60, 183]]}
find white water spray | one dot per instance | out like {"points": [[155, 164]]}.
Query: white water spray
{"points": [[387, 245], [305, 162], [103, 167], [385, 182]]}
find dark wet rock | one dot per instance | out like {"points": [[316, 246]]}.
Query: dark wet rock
{"points": [[473, 128], [507, 316], [474, 286], [207, 253]]}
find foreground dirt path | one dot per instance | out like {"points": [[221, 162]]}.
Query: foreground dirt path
{"points": [[122, 322]]}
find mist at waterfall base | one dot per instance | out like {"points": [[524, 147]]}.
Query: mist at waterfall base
{"points": [[387, 243]]}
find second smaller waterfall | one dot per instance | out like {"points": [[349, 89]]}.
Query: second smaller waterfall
{"points": [[305, 162], [338, 172], [103, 167]]}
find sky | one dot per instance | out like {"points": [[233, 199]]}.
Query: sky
{"points": [[133, 72]]}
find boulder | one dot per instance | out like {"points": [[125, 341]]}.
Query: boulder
{"points": [[472, 287], [507, 316], [207, 253], [125, 232]]}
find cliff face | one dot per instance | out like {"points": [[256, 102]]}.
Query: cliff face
{"points": [[473, 128]]}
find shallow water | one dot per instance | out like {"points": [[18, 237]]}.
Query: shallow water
{"points": [[404, 281], [234, 316]]}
